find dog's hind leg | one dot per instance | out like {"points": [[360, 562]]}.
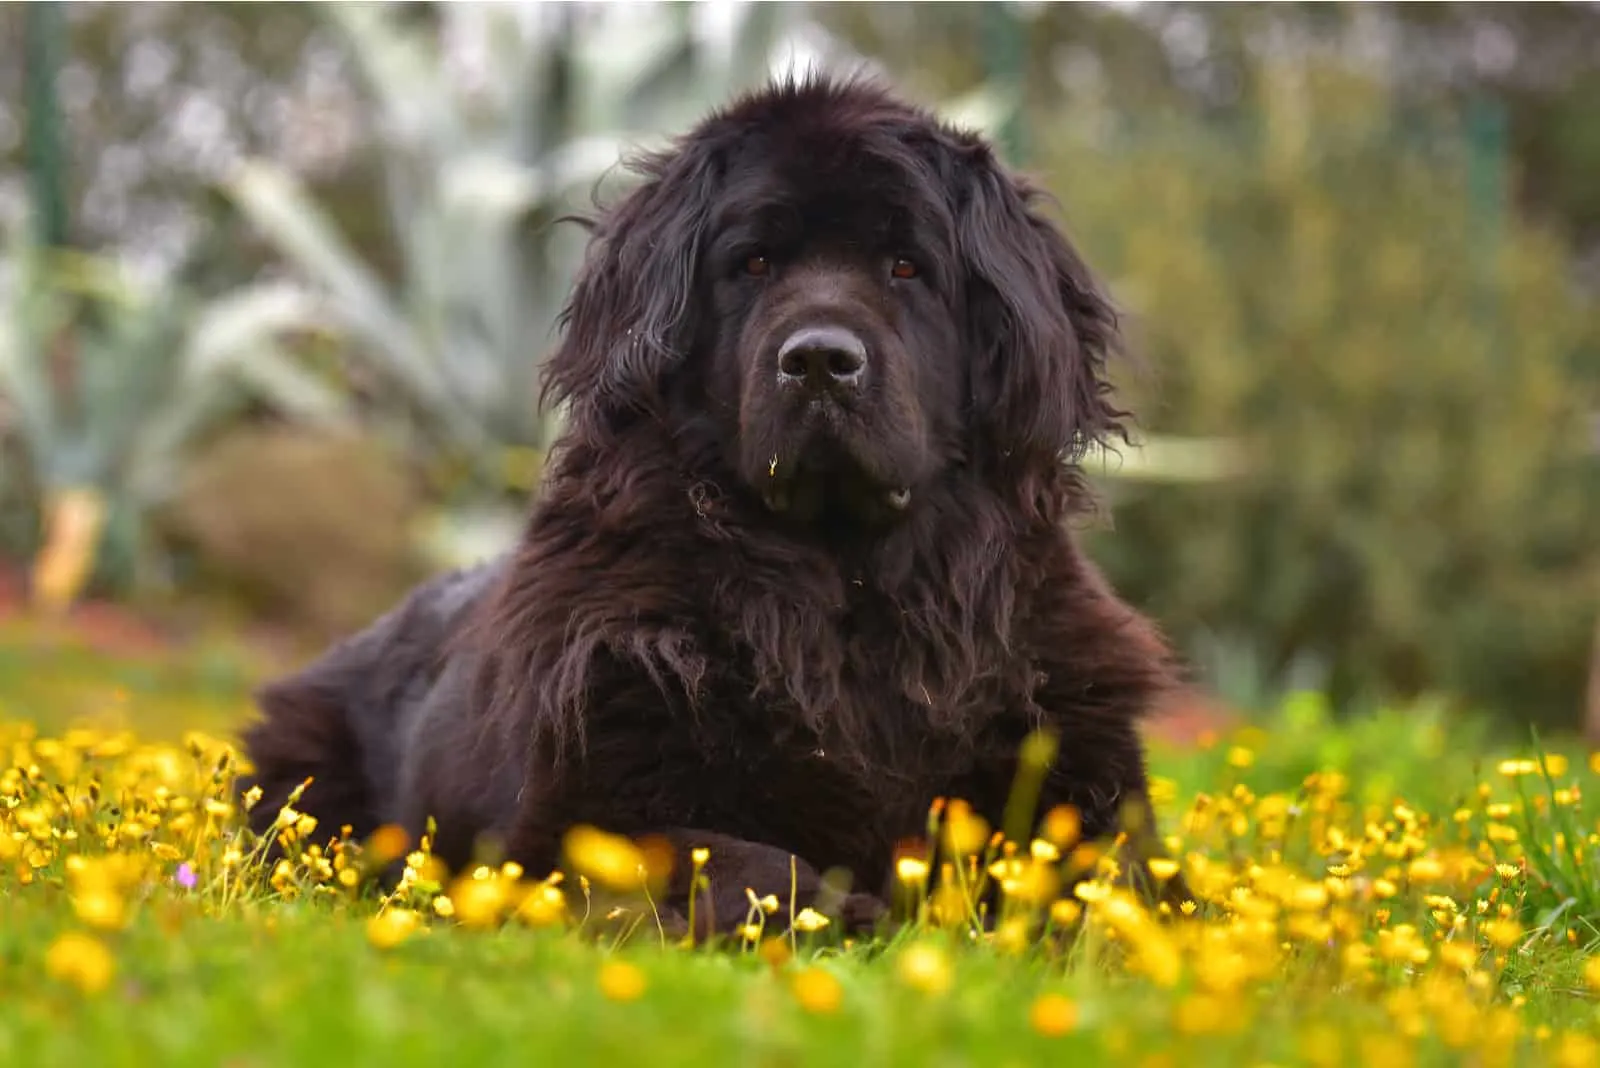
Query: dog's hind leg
{"points": [[304, 738], [343, 721]]}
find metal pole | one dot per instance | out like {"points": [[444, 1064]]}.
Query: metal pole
{"points": [[45, 156], [1486, 192]]}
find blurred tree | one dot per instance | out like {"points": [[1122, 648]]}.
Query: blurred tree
{"points": [[1541, 62], [157, 100], [1420, 505]]}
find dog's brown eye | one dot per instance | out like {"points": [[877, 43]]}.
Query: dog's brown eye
{"points": [[757, 266], [903, 268]]}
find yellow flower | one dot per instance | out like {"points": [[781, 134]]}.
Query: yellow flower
{"points": [[100, 908], [388, 929], [1591, 972], [543, 906], [1053, 1015], [1043, 852], [911, 870], [478, 902], [775, 952], [1163, 868], [621, 981], [388, 843], [1091, 892], [809, 921], [1576, 1051], [1386, 1051], [817, 991], [924, 967], [1426, 870], [1065, 913], [1459, 955], [1062, 826], [81, 960], [608, 859], [966, 832], [1502, 933]]}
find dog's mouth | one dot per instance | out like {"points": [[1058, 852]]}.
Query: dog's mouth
{"points": [[824, 482]]}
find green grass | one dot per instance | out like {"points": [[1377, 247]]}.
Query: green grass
{"points": [[310, 990], [55, 682], [271, 982]]}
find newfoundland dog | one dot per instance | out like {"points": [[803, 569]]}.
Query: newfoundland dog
{"points": [[800, 565]]}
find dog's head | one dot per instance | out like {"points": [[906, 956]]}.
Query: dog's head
{"points": [[853, 300]]}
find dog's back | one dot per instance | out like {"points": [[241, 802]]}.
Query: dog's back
{"points": [[340, 721]]}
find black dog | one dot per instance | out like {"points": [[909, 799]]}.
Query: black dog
{"points": [[800, 564]]}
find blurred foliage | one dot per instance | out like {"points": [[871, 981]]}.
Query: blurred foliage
{"points": [[110, 382], [1537, 61], [1402, 368], [159, 99]]}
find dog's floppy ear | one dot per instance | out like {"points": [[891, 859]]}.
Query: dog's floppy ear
{"points": [[1042, 328], [631, 315]]}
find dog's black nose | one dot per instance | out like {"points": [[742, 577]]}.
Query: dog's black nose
{"points": [[823, 357]]}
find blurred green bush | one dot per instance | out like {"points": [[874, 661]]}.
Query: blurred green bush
{"points": [[313, 530], [1404, 366]]}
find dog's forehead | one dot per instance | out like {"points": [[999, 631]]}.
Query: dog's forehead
{"points": [[782, 202], [784, 180], [834, 156]]}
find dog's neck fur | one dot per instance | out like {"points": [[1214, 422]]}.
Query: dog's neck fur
{"points": [[948, 580]]}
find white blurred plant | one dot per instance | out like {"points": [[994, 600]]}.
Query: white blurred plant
{"points": [[108, 383]]}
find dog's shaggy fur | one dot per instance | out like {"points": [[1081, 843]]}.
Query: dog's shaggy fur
{"points": [[800, 565]]}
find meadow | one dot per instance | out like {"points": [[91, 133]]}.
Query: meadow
{"points": [[1403, 888]]}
